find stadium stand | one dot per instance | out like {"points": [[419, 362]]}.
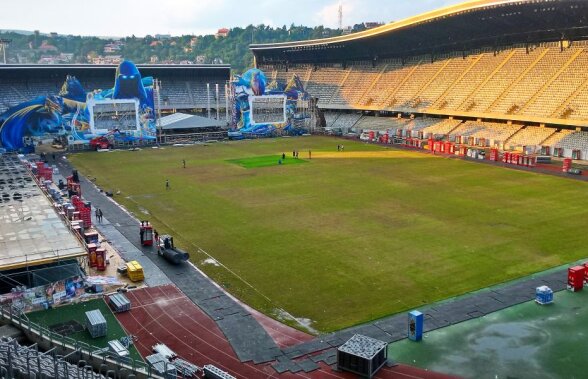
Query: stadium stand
{"points": [[379, 123], [182, 87], [501, 77], [560, 87], [416, 127], [392, 74], [330, 118], [324, 82], [556, 137], [176, 93], [483, 66], [452, 69], [535, 82], [484, 133], [23, 361], [531, 81], [529, 136], [574, 141], [355, 84], [283, 75], [441, 129], [346, 121], [411, 86]]}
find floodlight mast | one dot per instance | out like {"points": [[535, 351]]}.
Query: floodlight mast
{"points": [[4, 44], [208, 99], [227, 102], [217, 101], [157, 86]]}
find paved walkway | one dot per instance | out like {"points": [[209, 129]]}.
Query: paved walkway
{"points": [[249, 339]]}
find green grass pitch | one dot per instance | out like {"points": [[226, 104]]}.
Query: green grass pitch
{"points": [[266, 161], [348, 237], [77, 312]]}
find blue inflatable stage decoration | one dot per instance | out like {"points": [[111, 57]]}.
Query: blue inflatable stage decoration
{"points": [[68, 113], [254, 84]]}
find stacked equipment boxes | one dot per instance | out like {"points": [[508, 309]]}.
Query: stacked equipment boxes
{"points": [[135, 271], [214, 372], [119, 302], [84, 208], [44, 171], [96, 323]]}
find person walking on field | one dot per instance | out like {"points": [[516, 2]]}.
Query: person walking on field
{"points": [[309, 154], [184, 163], [167, 184]]}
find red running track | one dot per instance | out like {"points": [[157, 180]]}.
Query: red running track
{"points": [[165, 315]]}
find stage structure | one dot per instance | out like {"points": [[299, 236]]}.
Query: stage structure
{"points": [[109, 115], [126, 111], [263, 109], [268, 109]]}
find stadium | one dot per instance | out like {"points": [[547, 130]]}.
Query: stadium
{"points": [[404, 201]]}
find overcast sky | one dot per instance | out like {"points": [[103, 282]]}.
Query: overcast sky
{"points": [[177, 17]]}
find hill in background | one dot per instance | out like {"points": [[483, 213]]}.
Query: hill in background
{"points": [[229, 46]]}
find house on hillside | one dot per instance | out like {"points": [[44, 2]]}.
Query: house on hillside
{"points": [[66, 57], [46, 47], [48, 59], [110, 48], [108, 59], [222, 33]]}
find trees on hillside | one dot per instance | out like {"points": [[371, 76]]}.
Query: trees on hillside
{"points": [[232, 49]]}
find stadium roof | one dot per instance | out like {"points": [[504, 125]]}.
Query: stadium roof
{"points": [[465, 26], [179, 121]]}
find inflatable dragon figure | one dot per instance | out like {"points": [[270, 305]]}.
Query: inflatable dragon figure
{"points": [[66, 113]]}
